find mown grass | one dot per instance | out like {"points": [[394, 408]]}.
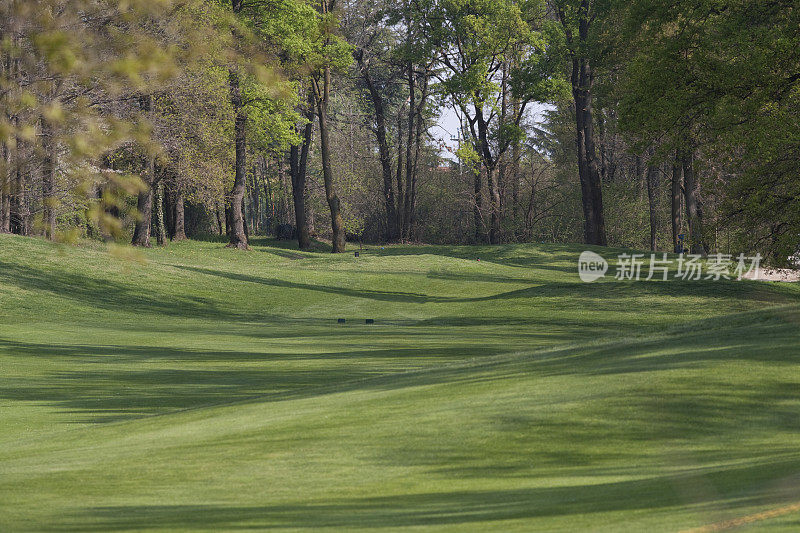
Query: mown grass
{"points": [[199, 388]]}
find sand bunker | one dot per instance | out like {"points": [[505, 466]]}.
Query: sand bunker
{"points": [[775, 274]]}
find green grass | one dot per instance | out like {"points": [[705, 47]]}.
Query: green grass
{"points": [[200, 388]]}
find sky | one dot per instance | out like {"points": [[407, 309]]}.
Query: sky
{"points": [[445, 132]]}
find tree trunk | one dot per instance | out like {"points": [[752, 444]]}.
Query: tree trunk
{"points": [[412, 202], [20, 214], [49, 179], [412, 112], [5, 212], [591, 188], [399, 177], [582, 78], [269, 195], [227, 219], [158, 198], [144, 206], [310, 215], [383, 152], [476, 213], [5, 191], [494, 202], [515, 156], [236, 233], [337, 224], [529, 210], [180, 218], [501, 155], [169, 209], [7, 71], [490, 165], [298, 162], [694, 214], [244, 220], [285, 204], [19, 210], [144, 203], [652, 199], [676, 204], [254, 194], [217, 212]]}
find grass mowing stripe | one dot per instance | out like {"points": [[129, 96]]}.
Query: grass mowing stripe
{"points": [[502, 395]]}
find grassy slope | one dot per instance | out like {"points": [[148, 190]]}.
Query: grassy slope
{"points": [[210, 389]]}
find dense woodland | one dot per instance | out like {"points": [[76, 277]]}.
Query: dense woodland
{"points": [[624, 123]]}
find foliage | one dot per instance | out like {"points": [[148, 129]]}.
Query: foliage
{"points": [[716, 80], [728, 75]]}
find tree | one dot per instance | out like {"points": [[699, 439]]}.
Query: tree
{"points": [[696, 80], [144, 204], [376, 93], [579, 21], [394, 64], [478, 39], [675, 203], [331, 57], [652, 178], [233, 209], [298, 165], [311, 52], [74, 74], [67, 69]]}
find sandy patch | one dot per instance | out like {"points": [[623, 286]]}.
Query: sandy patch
{"points": [[776, 274]]}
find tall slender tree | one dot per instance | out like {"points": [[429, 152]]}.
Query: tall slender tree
{"points": [[579, 20], [321, 88], [298, 167], [233, 205]]}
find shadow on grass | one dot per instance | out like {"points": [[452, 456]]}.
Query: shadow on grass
{"points": [[117, 295], [277, 246], [388, 296], [771, 337], [609, 291], [107, 393], [111, 295], [481, 278], [751, 484], [120, 386]]}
